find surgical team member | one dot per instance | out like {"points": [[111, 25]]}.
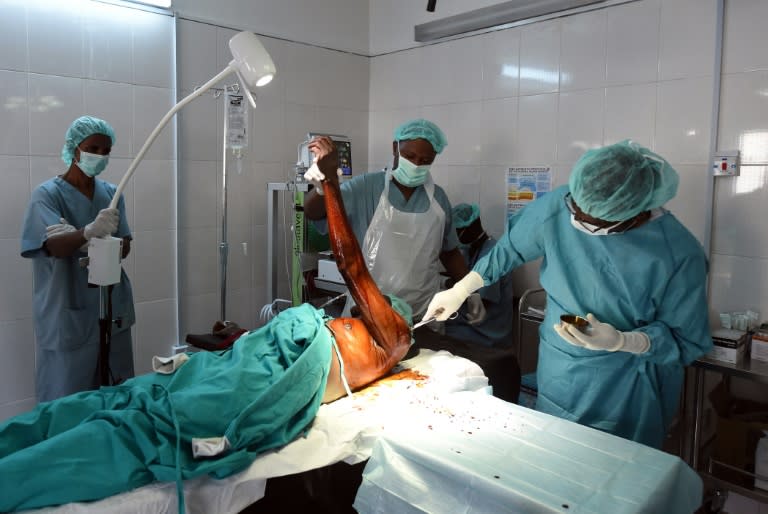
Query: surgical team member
{"points": [[64, 213], [474, 243], [405, 230], [612, 253]]}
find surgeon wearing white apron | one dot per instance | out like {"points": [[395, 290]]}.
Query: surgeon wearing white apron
{"points": [[406, 230]]}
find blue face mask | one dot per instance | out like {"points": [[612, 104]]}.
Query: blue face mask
{"points": [[91, 163], [410, 175]]}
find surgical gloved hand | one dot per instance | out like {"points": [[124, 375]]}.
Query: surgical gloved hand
{"points": [[63, 227], [447, 302], [603, 336], [315, 177], [475, 309], [104, 225]]}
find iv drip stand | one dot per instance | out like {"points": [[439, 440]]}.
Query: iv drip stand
{"points": [[223, 244]]}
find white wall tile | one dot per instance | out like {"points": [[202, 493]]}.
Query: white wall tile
{"points": [[153, 48], [14, 135], [154, 254], [43, 168], [633, 43], [14, 51], [540, 58], [396, 80], [267, 129], [745, 38], [54, 103], [630, 113], [381, 127], [239, 259], [737, 231], [150, 104], [239, 195], [537, 130], [683, 120], [155, 195], [687, 42], [263, 174], [197, 194], [460, 183], [55, 37], [582, 51], [198, 313], [452, 72], [17, 367], [493, 199], [240, 307], [155, 333], [463, 128], [501, 63], [738, 283], [107, 50], [259, 260], [198, 266], [499, 131], [299, 119], [195, 54], [112, 102], [199, 129], [16, 277], [14, 195], [579, 123], [689, 205], [744, 115]]}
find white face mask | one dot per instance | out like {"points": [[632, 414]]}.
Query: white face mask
{"points": [[594, 230]]}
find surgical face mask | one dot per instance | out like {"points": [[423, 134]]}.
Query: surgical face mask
{"points": [[410, 175], [91, 163], [594, 230]]}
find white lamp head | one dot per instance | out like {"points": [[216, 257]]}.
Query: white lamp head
{"points": [[253, 63]]}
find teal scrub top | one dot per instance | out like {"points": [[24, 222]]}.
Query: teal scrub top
{"points": [[66, 310], [498, 297], [361, 196], [650, 279]]}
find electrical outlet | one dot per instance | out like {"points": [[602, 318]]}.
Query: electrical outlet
{"points": [[726, 164]]}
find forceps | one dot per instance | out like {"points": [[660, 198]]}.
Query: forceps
{"points": [[433, 318]]}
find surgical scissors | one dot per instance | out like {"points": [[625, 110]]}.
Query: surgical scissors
{"points": [[433, 318]]}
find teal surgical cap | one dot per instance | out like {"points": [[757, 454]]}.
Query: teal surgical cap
{"points": [[402, 308], [464, 214], [618, 182], [81, 129], [422, 129]]}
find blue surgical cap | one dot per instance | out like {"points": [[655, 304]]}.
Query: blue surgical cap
{"points": [[422, 129], [81, 129], [464, 214], [619, 181]]}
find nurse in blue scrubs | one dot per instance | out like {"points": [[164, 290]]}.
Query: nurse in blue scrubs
{"points": [[613, 254], [63, 214]]}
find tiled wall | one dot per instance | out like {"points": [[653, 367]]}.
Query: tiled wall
{"points": [[541, 94], [315, 90], [59, 60]]}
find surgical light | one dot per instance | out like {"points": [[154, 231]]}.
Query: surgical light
{"points": [[253, 66]]}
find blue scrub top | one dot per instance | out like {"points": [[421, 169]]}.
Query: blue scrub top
{"points": [[361, 196], [66, 310], [650, 279], [498, 298]]}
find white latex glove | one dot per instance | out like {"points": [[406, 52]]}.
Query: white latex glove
{"points": [[63, 227], [104, 225], [603, 336], [315, 177], [475, 309], [447, 302]]}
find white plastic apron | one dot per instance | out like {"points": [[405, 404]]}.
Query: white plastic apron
{"points": [[402, 249]]}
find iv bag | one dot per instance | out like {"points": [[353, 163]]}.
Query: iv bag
{"points": [[236, 121]]}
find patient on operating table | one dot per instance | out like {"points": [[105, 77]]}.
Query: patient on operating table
{"points": [[215, 412]]}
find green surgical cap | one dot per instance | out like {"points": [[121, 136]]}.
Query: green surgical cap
{"points": [[402, 308], [464, 214], [422, 129], [618, 182], [81, 129]]}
